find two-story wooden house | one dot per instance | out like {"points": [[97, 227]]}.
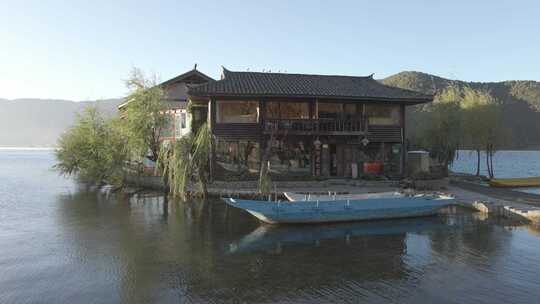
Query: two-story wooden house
{"points": [[318, 125]]}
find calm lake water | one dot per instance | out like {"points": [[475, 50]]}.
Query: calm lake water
{"points": [[506, 164], [62, 243]]}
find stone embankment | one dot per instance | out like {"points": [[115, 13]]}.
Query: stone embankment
{"points": [[497, 202]]}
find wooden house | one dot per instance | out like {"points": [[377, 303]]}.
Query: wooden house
{"points": [[307, 125]]}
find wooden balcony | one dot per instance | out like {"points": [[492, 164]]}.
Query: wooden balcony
{"points": [[319, 126]]}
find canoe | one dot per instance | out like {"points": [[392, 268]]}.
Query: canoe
{"points": [[297, 197], [515, 182], [327, 211]]}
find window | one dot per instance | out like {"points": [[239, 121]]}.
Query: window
{"points": [[350, 111], [287, 110], [168, 128], [183, 120], [177, 124], [388, 115], [272, 110], [330, 110], [337, 110], [237, 111]]}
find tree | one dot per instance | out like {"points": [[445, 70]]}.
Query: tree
{"points": [[187, 160], [94, 149], [440, 132], [202, 149], [481, 116], [174, 165], [144, 118], [265, 181]]}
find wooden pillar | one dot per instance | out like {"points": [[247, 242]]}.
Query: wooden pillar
{"points": [[211, 119], [365, 119], [325, 160], [262, 123], [317, 157], [403, 165]]}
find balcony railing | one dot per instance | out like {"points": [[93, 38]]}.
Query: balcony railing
{"points": [[316, 126]]}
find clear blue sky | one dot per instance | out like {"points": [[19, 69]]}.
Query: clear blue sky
{"points": [[84, 49]]}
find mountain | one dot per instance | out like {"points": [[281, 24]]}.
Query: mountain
{"points": [[520, 101], [39, 122], [505, 91]]}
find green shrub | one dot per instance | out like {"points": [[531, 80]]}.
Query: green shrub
{"points": [[93, 149]]}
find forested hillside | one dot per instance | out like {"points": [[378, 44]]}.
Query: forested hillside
{"points": [[520, 102]]}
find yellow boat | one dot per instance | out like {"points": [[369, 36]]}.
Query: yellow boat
{"points": [[515, 182]]}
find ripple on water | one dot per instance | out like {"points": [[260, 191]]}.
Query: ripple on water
{"points": [[61, 243]]}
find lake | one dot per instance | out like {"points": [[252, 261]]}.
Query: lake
{"points": [[507, 164], [64, 243]]}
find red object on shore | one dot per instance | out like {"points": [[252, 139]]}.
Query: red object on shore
{"points": [[373, 167]]}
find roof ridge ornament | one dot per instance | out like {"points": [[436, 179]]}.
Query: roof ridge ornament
{"points": [[224, 72]]}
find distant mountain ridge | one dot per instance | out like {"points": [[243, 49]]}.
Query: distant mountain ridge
{"points": [[506, 91], [39, 122], [32, 122], [520, 100]]}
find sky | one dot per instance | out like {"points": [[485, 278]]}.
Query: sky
{"points": [[84, 50]]}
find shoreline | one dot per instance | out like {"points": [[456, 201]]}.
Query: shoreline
{"points": [[29, 148], [500, 202]]}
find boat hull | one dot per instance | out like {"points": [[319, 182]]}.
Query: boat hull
{"points": [[340, 211], [515, 182]]}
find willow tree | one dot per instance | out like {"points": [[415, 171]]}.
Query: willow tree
{"points": [[481, 115], [94, 149], [441, 130], [174, 165], [144, 117], [461, 116], [202, 147], [186, 162], [480, 120]]}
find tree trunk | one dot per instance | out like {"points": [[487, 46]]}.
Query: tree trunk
{"points": [[487, 161], [263, 175], [264, 167], [477, 162], [491, 161]]}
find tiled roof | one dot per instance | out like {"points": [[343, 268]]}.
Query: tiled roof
{"points": [[257, 84], [187, 74]]}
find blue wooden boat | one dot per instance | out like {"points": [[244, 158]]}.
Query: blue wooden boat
{"points": [[326, 211]]}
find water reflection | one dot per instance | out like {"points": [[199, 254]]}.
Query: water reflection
{"points": [[64, 243], [267, 238], [152, 249]]}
